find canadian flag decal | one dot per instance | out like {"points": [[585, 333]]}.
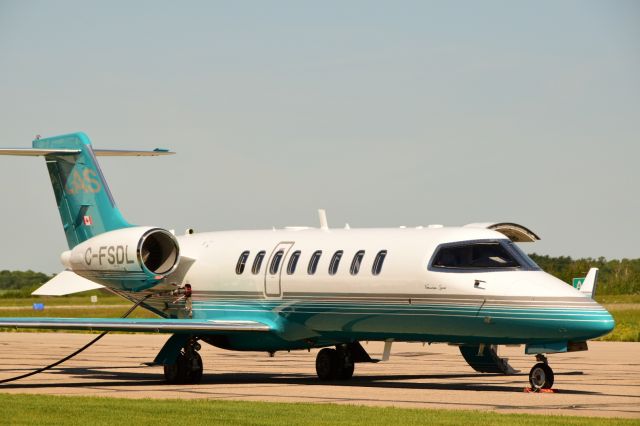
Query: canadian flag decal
{"points": [[88, 221]]}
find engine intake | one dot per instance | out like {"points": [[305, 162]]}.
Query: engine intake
{"points": [[158, 251], [131, 259]]}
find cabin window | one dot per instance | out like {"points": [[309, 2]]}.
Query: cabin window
{"points": [[474, 255], [335, 262], [242, 261], [275, 262], [313, 262], [293, 262], [378, 262], [257, 263], [356, 262]]}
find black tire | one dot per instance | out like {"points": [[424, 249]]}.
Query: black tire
{"points": [[346, 370], [183, 371], [327, 364], [173, 373], [345, 364], [193, 369], [541, 376]]}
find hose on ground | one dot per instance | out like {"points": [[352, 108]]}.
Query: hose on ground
{"points": [[68, 357]]}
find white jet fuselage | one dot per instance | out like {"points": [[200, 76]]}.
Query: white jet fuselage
{"points": [[409, 298]]}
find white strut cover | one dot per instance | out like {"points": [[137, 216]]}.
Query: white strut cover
{"points": [[66, 282]]}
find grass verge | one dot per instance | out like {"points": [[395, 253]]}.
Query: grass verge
{"points": [[64, 312], [88, 312], [627, 325], [618, 298], [58, 410], [103, 299]]}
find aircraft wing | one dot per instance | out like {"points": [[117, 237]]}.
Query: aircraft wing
{"points": [[157, 325]]}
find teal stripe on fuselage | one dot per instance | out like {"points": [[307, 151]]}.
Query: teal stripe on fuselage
{"points": [[468, 323]]}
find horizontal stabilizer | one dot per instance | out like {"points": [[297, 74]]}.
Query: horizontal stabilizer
{"points": [[156, 325], [588, 287], [64, 283], [34, 152], [128, 153]]}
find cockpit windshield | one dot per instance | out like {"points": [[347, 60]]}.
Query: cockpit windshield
{"points": [[481, 255]]}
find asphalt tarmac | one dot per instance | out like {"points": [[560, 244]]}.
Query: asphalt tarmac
{"points": [[604, 381]]}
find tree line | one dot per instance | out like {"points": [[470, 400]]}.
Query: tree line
{"points": [[21, 283], [615, 277]]}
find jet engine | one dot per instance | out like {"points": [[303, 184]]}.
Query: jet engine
{"points": [[132, 259]]}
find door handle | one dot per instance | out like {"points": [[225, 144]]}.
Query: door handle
{"points": [[476, 284]]}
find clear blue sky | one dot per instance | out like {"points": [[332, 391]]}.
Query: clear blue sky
{"points": [[384, 113]]}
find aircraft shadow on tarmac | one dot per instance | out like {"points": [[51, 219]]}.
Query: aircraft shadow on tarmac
{"points": [[99, 377]]}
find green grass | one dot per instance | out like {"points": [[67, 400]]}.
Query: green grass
{"points": [[627, 325], [618, 298], [89, 312], [108, 299], [66, 410]]}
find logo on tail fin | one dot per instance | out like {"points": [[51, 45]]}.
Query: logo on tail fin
{"points": [[88, 182]]}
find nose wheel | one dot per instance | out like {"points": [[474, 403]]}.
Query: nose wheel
{"points": [[188, 366], [541, 375]]}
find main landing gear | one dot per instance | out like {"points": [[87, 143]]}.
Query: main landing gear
{"points": [[334, 364], [541, 375], [188, 366]]}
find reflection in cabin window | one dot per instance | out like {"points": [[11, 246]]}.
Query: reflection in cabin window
{"points": [[479, 255], [275, 262], [378, 262], [293, 262], [257, 263], [313, 262], [242, 260], [356, 262], [335, 262]]}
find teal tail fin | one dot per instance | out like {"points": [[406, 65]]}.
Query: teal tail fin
{"points": [[84, 200]]}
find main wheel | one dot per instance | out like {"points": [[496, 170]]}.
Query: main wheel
{"points": [[194, 369], [173, 373], [345, 365], [345, 372], [541, 376], [184, 370], [327, 364]]}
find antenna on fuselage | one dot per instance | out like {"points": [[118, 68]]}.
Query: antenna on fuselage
{"points": [[322, 215]]}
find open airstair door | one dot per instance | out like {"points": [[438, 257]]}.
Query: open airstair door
{"points": [[516, 233]]}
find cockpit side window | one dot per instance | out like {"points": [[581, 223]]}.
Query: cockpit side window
{"points": [[524, 258], [481, 255]]}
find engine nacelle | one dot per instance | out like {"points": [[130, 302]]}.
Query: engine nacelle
{"points": [[132, 259]]}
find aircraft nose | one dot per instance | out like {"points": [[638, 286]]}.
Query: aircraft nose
{"points": [[596, 325]]}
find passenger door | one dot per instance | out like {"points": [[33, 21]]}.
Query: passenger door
{"points": [[275, 266]]}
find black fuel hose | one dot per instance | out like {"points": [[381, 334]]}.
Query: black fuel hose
{"points": [[68, 357]]}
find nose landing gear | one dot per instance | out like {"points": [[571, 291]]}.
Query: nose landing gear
{"points": [[541, 375], [188, 366]]}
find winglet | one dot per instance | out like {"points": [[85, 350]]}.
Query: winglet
{"points": [[588, 287]]}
